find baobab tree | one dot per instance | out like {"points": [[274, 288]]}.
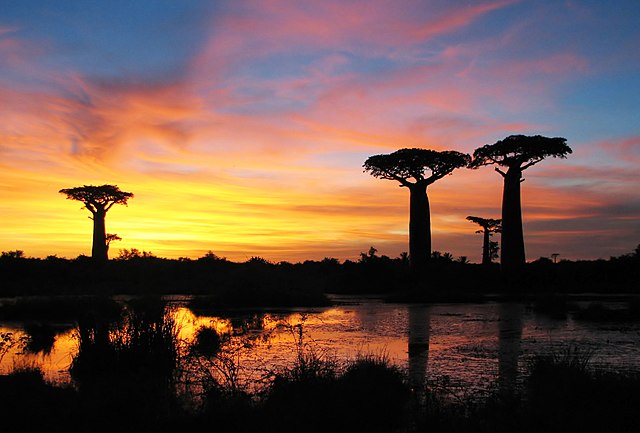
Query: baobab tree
{"points": [[98, 200], [489, 227], [494, 248], [110, 237], [516, 153], [416, 169]]}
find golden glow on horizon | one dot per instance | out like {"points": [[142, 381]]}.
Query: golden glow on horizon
{"points": [[291, 212], [186, 218]]}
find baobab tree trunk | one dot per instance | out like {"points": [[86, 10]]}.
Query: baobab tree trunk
{"points": [[486, 253], [512, 254], [419, 226], [99, 248]]}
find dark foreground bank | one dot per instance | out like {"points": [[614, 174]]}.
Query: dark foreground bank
{"points": [[561, 394], [132, 373]]}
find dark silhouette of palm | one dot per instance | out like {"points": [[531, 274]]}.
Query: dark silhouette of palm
{"points": [[98, 200], [516, 153], [489, 227], [416, 169]]}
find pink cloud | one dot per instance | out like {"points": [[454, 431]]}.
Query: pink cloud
{"points": [[452, 20], [626, 149], [17, 54], [253, 30], [555, 65], [4, 30]]}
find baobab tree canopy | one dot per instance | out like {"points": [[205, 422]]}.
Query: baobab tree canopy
{"points": [[520, 151], [486, 223], [421, 165], [98, 198]]}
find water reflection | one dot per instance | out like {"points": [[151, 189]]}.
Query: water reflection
{"points": [[418, 347], [510, 337], [473, 345]]}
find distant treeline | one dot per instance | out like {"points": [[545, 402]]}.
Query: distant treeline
{"points": [[258, 282]]}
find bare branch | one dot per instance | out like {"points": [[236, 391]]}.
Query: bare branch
{"points": [[532, 162]]}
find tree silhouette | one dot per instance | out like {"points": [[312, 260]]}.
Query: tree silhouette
{"points": [[416, 169], [516, 153], [98, 200], [110, 237], [494, 249], [489, 227]]}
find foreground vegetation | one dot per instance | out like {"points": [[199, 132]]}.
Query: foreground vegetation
{"points": [[132, 373]]}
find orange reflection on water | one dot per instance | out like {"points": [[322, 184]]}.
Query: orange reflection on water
{"points": [[470, 345], [55, 364]]}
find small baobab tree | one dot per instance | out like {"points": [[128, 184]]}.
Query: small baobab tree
{"points": [[513, 155], [494, 250], [98, 200], [489, 227], [416, 169], [110, 238]]}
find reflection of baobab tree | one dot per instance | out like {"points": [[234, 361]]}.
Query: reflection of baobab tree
{"points": [[419, 323], [509, 342]]}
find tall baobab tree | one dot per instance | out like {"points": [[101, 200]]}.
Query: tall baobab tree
{"points": [[416, 169], [489, 227], [516, 153], [98, 200]]}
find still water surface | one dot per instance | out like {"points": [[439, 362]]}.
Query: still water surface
{"points": [[474, 346]]}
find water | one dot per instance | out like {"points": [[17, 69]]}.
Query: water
{"points": [[471, 347]]}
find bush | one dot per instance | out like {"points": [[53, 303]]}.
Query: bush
{"points": [[369, 395]]}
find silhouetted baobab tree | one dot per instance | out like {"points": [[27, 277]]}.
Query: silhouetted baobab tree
{"points": [[416, 169], [516, 153], [489, 227], [494, 249], [98, 200], [110, 238]]}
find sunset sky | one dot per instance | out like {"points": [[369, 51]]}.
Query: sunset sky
{"points": [[242, 126]]}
